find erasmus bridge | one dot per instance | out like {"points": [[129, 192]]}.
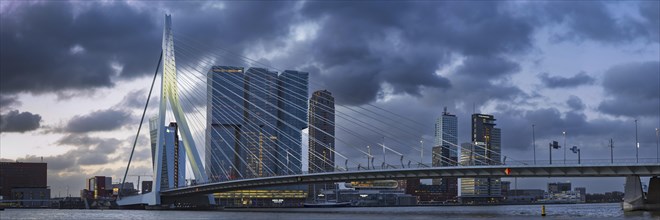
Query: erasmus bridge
{"points": [[249, 123]]}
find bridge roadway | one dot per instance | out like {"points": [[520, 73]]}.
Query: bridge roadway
{"points": [[609, 170]]}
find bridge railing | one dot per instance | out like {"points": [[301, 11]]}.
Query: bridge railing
{"points": [[517, 163]]}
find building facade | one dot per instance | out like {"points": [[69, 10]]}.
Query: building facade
{"points": [[321, 140], [485, 149], [99, 187], [446, 134], [559, 187], [444, 153], [19, 177], [173, 155], [254, 122]]}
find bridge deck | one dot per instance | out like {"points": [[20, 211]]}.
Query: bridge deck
{"points": [[652, 169]]}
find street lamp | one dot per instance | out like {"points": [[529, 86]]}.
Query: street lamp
{"points": [[368, 156], [575, 149], [636, 143], [564, 133], [421, 153], [384, 151], [534, 143], [657, 145]]}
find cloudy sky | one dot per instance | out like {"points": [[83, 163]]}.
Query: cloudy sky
{"points": [[74, 76]]}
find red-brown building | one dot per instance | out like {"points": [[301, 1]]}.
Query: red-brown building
{"points": [[14, 175], [100, 187]]}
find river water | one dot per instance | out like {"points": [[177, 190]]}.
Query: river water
{"points": [[573, 211]]}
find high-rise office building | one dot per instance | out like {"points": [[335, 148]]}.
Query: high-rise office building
{"points": [[444, 153], [173, 167], [446, 133], [321, 132], [254, 122], [321, 137], [484, 149]]}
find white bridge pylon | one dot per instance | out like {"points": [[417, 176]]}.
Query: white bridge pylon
{"points": [[169, 92]]}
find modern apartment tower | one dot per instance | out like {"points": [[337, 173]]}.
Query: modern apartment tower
{"points": [[173, 167], [254, 122], [485, 149], [321, 137]]}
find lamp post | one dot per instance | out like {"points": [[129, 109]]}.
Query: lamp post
{"points": [[534, 143], [384, 151], [564, 133], [636, 143], [657, 145], [368, 156], [421, 153]]}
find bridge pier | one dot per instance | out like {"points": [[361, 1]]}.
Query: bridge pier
{"points": [[635, 199]]}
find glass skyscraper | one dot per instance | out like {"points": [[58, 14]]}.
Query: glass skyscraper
{"points": [[254, 122], [444, 152]]}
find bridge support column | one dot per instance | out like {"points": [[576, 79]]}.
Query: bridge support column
{"points": [[634, 196], [635, 199], [653, 196]]}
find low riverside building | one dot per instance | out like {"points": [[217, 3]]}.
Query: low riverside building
{"points": [[370, 193], [24, 184]]}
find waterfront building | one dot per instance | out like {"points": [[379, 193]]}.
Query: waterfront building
{"points": [[444, 153], [24, 181], [321, 142], [370, 193], [485, 149], [559, 187], [99, 187], [521, 196], [254, 129], [583, 193]]}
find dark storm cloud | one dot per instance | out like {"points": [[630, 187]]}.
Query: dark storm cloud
{"points": [[134, 99], [632, 90], [235, 28], [650, 11], [87, 151], [137, 98], [575, 103], [101, 120], [100, 145], [45, 48], [578, 79], [487, 67], [550, 123], [7, 102], [592, 20], [15, 121], [365, 45]]}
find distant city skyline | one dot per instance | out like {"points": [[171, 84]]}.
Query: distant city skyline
{"points": [[75, 75]]}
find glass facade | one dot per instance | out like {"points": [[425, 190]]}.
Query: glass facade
{"points": [[254, 122]]}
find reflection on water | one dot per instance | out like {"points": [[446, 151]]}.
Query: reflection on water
{"points": [[583, 211]]}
